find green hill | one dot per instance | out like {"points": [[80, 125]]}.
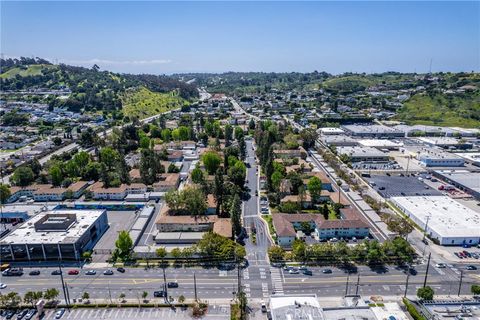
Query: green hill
{"points": [[443, 110], [143, 103]]}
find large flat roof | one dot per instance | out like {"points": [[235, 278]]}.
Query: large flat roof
{"points": [[380, 143], [372, 128], [295, 308], [448, 217], [361, 152], [26, 233], [469, 179]]}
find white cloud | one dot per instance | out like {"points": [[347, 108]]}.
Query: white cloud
{"points": [[117, 62]]}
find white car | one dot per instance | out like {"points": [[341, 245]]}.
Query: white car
{"points": [[441, 265], [3, 285], [293, 271]]}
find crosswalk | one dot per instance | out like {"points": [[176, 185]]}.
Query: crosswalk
{"points": [[263, 274], [277, 283]]}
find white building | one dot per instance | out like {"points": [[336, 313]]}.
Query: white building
{"points": [[330, 131], [444, 219], [380, 144]]}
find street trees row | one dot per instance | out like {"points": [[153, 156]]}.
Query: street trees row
{"points": [[370, 252], [13, 299]]}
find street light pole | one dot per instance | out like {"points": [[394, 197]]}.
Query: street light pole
{"points": [[358, 284], [195, 286], [426, 271], [346, 285], [406, 285], [460, 284]]}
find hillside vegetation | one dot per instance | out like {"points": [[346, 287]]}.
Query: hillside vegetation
{"points": [[92, 90], [442, 110], [143, 103]]}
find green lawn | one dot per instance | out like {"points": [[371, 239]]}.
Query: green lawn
{"points": [[442, 110], [143, 103], [32, 70]]}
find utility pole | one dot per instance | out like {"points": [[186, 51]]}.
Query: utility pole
{"points": [[460, 284], [346, 285], [195, 286], [109, 292], [425, 230], [63, 284], [358, 284], [426, 272], [165, 283], [406, 285]]}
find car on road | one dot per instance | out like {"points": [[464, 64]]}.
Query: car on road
{"points": [[121, 270], [59, 313], [108, 272], [441, 265], [56, 273], [13, 272], [172, 284], [471, 267], [475, 255], [412, 271], [73, 272], [34, 273], [307, 272], [22, 314], [327, 271], [263, 307], [91, 272], [3, 285], [293, 271], [159, 294], [303, 267]]}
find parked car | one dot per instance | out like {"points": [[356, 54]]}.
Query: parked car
{"points": [[264, 307], [172, 285], [108, 272], [73, 272], [121, 270], [56, 272], [30, 314], [159, 294], [34, 272], [9, 314], [59, 313], [22, 314], [91, 272]]}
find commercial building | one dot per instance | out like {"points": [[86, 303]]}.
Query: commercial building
{"points": [[340, 140], [363, 154], [466, 180], [446, 142], [55, 235], [435, 157], [444, 219], [295, 308], [380, 144], [330, 131], [372, 131], [471, 157]]}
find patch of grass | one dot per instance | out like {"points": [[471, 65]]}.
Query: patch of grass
{"points": [[347, 84], [143, 103], [442, 110], [271, 229], [31, 70]]}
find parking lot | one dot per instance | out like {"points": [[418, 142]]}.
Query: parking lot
{"points": [[397, 186], [214, 312]]}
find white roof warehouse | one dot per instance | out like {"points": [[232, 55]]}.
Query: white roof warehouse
{"points": [[450, 222]]}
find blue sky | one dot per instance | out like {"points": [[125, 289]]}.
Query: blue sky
{"points": [[168, 37]]}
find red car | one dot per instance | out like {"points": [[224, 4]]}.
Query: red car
{"points": [[72, 272]]}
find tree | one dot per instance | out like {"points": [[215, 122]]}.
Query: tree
{"points": [[211, 161], [56, 175], [109, 157], [124, 245], [299, 249], [276, 179], [181, 299], [219, 190], [475, 289], [57, 141], [308, 136], [174, 200], [23, 176], [276, 253], [176, 253], [150, 166], [85, 296], [29, 298], [237, 173], [121, 297], [51, 294], [325, 211], [4, 194], [161, 253], [144, 295], [194, 201], [314, 186], [425, 293], [235, 214], [197, 175], [215, 247], [399, 225], [12, 299]]}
